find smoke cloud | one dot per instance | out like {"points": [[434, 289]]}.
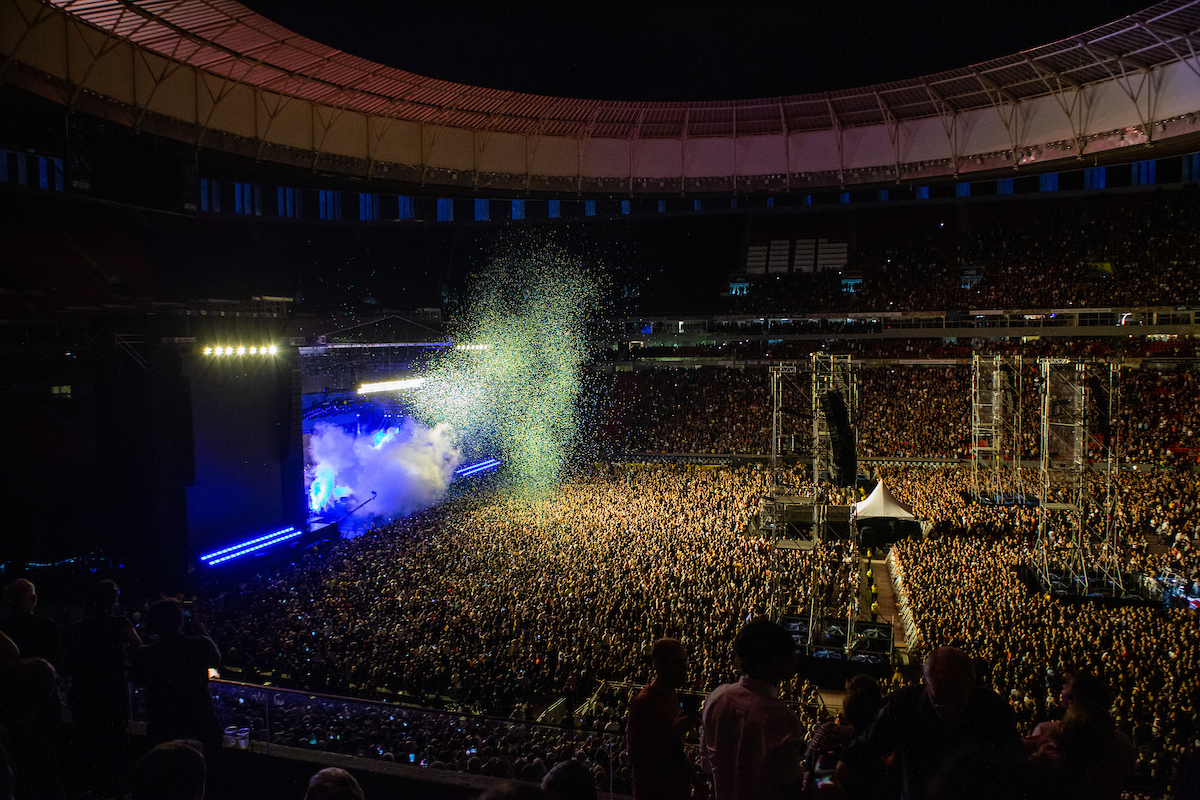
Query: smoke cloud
{"points": [[408, 467]]}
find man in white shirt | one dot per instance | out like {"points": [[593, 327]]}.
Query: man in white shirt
{"points": [[750, 741]]}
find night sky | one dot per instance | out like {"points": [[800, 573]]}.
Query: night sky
{"points": [[700, 50]]}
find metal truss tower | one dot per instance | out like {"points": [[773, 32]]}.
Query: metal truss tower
{"points": [[1077, 536], [831, 375], [996, 427], [787, 383]]}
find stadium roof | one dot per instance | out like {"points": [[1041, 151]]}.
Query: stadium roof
{"points": [[230, 39], [252, 79]]}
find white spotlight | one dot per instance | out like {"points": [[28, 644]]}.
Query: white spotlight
{"points": [[241, 351], [228, 351], [390, 386], [273, 350], [253, 351], [208, 351]]}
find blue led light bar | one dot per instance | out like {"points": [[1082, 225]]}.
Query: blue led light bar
{"points": [[258, 546], [247, 543], [475, 469]]}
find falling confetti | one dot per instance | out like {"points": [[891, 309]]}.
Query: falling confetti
{"points": [[515, 384]]}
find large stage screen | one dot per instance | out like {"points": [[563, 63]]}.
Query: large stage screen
{"points": [[240, 426]]}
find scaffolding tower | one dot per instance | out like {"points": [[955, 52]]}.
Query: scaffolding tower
{"points": [[789, 391], [794, 385], [1078, 547], [997, 428], [836, 375]]}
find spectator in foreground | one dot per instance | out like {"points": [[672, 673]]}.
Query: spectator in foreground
{"points": [[35, 636], [174, 671], [859, 707], [173, 770], [750, 741], [654, 735], [1091, 758], [333, 783], [9, 652], [570, 780], [28, 699], [99, 689], [928, 725]]}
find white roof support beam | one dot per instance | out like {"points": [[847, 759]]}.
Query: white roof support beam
{"points": [[949, 119], [837, 131], [1072, 109]]}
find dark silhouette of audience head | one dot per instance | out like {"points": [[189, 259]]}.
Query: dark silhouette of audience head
{"points": [[333, 783], [20, 596], [949, 680], [1086, 687], [165, 618], [570, 780], [101, 598], [1085, 732], [174, 770], [862, 702], [28, 690], [765, 651], [670, 661], [517, 791]]}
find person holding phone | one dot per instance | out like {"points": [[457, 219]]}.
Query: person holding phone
{"points": [[174, 671]]}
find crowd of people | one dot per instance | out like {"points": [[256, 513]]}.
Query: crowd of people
{"points": [[499, 604], [1088, 253], [723, 410], [648, 552]]}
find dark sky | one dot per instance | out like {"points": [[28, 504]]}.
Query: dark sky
{"points": [[698, 50]]}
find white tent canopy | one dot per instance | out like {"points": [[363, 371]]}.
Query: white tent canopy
{"points": [[881, 505]]}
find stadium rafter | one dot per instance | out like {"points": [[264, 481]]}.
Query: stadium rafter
{"points": [[215, 74]]}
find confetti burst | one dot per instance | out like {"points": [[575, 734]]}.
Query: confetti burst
{"points": [[517, 387]]}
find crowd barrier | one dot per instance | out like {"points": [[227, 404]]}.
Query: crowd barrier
{"points": [[911, 632]]}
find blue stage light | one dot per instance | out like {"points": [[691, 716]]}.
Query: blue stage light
{"points": [[258, 546], [475, 469], [248, 543]]}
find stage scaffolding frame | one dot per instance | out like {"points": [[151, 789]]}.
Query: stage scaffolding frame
{"points": [[785, 377], [831, 373], [997, 427], [1077, 533], [825, 373]]}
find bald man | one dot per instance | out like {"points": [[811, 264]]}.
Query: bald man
{"points": [[34, 635], [928, 725], [654, 735]]}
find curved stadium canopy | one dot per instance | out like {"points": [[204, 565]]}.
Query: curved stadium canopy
{"points": [[216, 75]]}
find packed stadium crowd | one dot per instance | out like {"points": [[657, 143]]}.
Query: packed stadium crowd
{"points": [[505, 603], [461, 602], [1091, 255], [720, 410]]}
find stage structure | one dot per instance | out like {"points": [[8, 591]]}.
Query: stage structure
{"points": [[827, 387], [997, 430], [804, 519], [834, 413], [790, 390], [1078, 544]]}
